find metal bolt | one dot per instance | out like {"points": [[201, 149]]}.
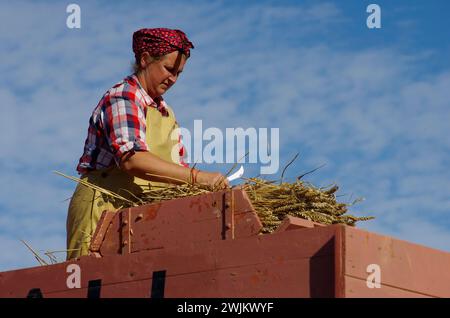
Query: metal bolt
{"points": [[131, 231], [227, 204], [139, 217], [228, 226], [124, 222], [124, 243]]}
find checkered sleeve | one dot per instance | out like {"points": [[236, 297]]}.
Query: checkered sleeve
{"points": [[125, 127]]}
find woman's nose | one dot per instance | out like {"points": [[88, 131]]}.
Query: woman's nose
{"points": [[173, 79]]}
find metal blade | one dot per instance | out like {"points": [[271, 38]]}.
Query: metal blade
{"points": [[237, 174]]}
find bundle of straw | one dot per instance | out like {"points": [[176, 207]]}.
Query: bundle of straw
{"points": [[273, 201]]}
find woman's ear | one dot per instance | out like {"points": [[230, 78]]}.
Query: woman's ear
{"points": [[144, 60]]}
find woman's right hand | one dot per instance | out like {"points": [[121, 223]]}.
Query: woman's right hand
{"points": [[214, 180]]}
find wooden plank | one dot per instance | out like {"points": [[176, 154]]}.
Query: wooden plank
{"points": [[294, 223], [339, 262], [100, 231], [357, 288], [287, 279]]}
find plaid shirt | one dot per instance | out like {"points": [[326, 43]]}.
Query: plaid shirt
{"points": [[118, 125]]}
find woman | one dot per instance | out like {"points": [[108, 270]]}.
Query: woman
{"points": [[130, 144]]}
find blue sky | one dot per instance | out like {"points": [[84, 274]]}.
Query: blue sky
{"points": [[373, 105]]}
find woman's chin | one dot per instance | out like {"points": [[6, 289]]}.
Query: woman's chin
{"points": [[162, 89]]}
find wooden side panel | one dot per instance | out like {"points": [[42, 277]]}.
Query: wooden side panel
{"points": [[402, 265], [299, 263], [213, 216]]}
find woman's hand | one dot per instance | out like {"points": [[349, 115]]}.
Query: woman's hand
{"points": [[214, 180]]}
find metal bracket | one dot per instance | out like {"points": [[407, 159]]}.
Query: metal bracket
{"points": [[125, 225], [228, 210]]}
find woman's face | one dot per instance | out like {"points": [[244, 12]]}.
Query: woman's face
{"points": [[161, 74]]}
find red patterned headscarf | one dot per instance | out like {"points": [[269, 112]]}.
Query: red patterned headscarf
{"points": [[160, 41]]}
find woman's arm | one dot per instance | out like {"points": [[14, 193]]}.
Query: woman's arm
{"points": [[145, 165]]}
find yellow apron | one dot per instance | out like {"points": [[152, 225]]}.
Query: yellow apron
{"points": [[87, 205]]}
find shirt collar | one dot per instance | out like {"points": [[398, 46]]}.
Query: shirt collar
{"points": [[158, 102]]}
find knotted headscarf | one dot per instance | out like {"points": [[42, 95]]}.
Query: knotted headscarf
{"points": [[160, 41]]}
